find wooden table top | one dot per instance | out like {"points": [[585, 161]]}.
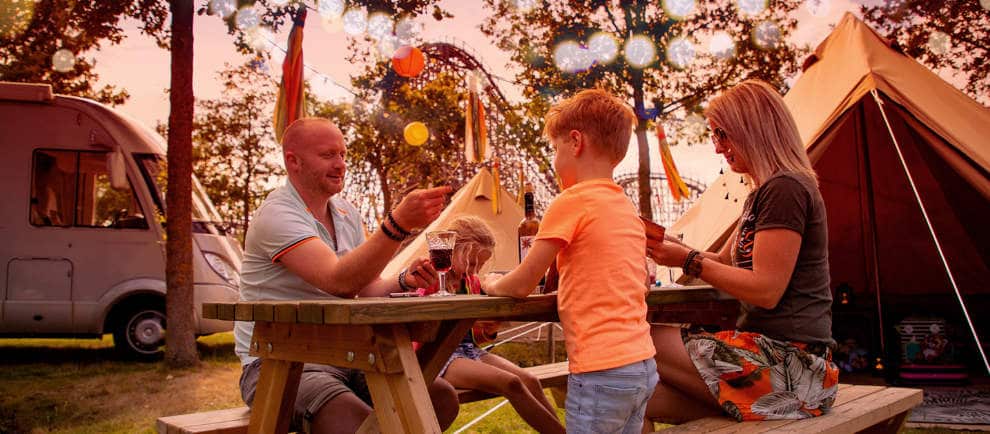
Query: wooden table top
{"points": [[384, 310]]}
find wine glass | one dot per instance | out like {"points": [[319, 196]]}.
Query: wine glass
{"points": [[441, 245]]}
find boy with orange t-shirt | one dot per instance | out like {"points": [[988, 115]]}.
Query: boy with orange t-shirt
{"points": [[594, 232]]}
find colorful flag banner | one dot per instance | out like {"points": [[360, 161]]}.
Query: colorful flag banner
{"points": [[291, 103], [496, 187], [475, 131], [677, 186]]}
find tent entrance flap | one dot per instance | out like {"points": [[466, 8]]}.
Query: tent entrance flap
{"points": [[931, 229]]}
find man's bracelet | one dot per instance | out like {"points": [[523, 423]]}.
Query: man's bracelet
{"points": [[402, 281], [395, 225], [390, 234]]}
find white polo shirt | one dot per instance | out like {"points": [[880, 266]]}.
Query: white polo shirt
{"points": [[281, 223]]}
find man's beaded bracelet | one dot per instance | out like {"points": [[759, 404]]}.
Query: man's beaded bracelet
{"points": [[390, 234], [395, 225]]}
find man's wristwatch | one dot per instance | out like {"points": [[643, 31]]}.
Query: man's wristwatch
{"points": [[402, 282]]}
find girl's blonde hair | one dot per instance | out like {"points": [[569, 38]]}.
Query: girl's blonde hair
{"points": [[471, 229], [753, 116]]}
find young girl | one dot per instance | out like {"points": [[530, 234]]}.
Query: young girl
{"points": [[471, 367]]}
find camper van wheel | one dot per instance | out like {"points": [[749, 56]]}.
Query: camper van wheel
{"points": [[141, 332]]}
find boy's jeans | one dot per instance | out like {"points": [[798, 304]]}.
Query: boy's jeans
{"points": [[611, 400]]}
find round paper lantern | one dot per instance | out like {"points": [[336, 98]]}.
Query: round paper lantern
{"points": [[408, 61], [416, 133]]}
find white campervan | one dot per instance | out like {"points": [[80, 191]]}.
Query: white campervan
{"points": [[82, 248]]}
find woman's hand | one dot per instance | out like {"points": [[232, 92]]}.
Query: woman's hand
{"points": [[666, 253], [420, 274]]}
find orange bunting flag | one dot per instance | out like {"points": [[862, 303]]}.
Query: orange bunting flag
{"points": [[475, 131], [291, 103], [496, 188], [677, 186]]}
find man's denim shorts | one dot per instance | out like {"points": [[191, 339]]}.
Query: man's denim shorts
{"points": [[610, 400]]}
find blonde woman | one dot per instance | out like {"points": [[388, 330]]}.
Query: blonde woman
{"points": [[777, 364], [471, 367]]}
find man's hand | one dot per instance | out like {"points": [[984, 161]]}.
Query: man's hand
{"points": [[420, 207], [420, 274]]}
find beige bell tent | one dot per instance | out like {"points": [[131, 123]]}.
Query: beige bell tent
{"points": [[856, 96], [473, 199]]}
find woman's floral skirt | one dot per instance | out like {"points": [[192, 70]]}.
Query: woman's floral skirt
{"points": [[755, 377]]}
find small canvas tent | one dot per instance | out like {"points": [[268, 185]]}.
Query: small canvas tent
{"points": [[879, 242], [473, 199]]}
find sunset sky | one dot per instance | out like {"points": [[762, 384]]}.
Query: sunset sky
{"points": [[142, 68]]}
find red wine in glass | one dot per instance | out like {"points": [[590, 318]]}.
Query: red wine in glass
{"points": [[441, 258]]}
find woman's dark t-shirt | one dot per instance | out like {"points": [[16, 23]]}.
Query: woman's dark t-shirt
{"points": [[804, 314]]}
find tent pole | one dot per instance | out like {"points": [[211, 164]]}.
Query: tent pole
{"points": [[931, 230], [871, 226]]}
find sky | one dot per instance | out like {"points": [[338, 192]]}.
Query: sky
{"points": [[142, 68]]}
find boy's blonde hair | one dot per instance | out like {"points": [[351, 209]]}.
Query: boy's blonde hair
{"points": [[753, 116], [606, 120]]}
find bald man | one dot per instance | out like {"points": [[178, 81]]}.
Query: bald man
{"points": [[306, 242]]}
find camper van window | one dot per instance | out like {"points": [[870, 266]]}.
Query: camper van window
{"points": [[80, 180], [98, 203], [153, 169], [53, 187]]}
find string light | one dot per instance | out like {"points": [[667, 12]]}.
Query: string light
{"points": [[355, 21], [63, 60], [329, 9], [603, 47], [223, 7], [569, 56], [379, 25], [679, 9], [766, 35], [680, 52], [818, 8], [640, 51], [722, 46], [938, 43], [247, 18], [751, 8]]}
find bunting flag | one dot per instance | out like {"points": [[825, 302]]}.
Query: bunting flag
{"points": [[677, 186], [496, 187], [291, 103], [475, 131]]}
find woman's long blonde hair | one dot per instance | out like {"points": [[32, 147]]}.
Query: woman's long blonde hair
{"points": [[755, 119]]}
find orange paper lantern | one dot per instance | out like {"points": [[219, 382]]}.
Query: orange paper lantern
{"points": [[408, 61]]}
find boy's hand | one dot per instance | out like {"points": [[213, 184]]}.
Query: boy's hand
{"points": [[489, 281]]}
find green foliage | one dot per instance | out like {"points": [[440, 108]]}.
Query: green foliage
{"points": [[31, 32], [914, 25]]}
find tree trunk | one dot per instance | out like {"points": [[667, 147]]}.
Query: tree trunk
{"points": [[180, 347], [645, 192]]}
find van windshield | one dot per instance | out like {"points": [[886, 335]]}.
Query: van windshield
{"points": [[154, 172]]}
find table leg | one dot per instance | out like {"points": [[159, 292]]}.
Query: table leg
{"points": [[275, 396], [402, 402], [433, 355]]}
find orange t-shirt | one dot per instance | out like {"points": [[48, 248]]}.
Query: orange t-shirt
{"points": [[602, 295]]}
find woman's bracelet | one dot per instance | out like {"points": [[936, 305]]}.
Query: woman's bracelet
{"points": [[390, 234], [692, 266], [402, 231]]}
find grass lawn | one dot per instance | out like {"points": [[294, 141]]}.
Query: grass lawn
{"points": [[78, 386]]}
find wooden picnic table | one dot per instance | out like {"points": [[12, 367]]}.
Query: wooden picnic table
{"points": [[374, 335]]}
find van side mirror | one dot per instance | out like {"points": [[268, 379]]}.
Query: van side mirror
{"points": [[117, 169]]}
